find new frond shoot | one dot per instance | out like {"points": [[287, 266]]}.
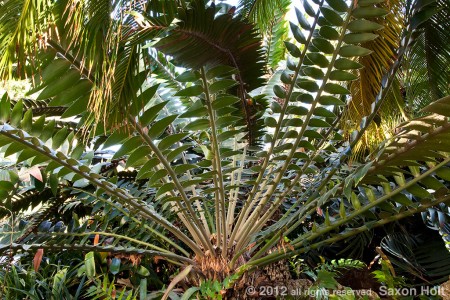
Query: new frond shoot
{"points": [[162, 132]]}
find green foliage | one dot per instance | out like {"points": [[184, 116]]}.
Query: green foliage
{"points": [[413, 255], [51, 282], [388, 278]]}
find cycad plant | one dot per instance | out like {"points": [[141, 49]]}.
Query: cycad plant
{"points": [[164, 119]]}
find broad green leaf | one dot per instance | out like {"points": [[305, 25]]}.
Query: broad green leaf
{"points": [[181, 169], [342, 75], [138, 156], [282, 147], [323, 45], [53, 180], [59, 138], [369, 12], [47, 132], [115, 138], [147, 167], [175, 153], [196, 110], [305, 98], [5, 108], [307, 145], [293, 50], [227, 121], [314, 122], [402, 199], [314, 73], [329, 33], [312, 134], [159, 126], [308, 8], [13, 149], [227, 135], [224, 101], [220, 71], [114, 267], [318, 59], [291, 134], [362, 25], [79, 107], [347, 64], [146, 96], [334, 88], [296, 122], [150, 114], [190, 91], [73, 93], [330, 100], [127, 147], [65, 82], [55, 69], [38, 125], [279, 91], [16, 113], [157, 176], [166, 187], [331, 16], [338, 5], [221, 85], [6, 185], [270, 122], [352, 50], [199, 124], [169, 140], [297, 110], [356, 38], [323, 112], [27, 121], [285, 77], [444, 173], [188, 76], [89, 264], [418, 191], [308, 85], [302, 20], [297, 33]]}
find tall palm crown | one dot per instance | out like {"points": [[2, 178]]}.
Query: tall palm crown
{"points": [[232, 132]]}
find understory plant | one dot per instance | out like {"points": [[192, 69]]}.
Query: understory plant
{"points": [[191, 132]]}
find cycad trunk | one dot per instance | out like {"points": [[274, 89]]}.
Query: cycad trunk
{"points": [[273, 281]]}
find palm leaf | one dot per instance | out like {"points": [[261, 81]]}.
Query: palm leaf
{"points": [[366, 87], [262, 12], [428, 73], [23, 26]]}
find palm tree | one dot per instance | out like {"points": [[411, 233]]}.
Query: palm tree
{"points": [[232, 155]]}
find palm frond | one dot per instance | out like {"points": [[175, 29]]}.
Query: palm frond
{"points": [[366, 87], [262, 12], [427, 72], [23, 26], [274, 36], [419, 256]]}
